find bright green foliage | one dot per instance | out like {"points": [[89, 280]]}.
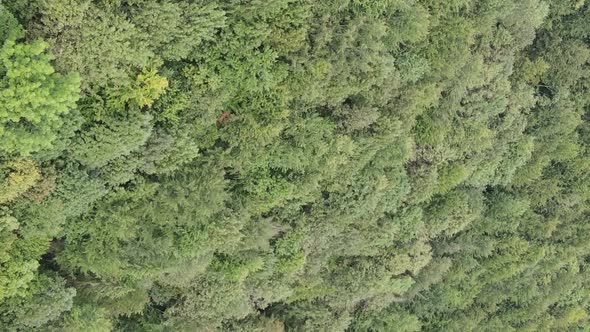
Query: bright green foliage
{"points": [[147, 88], [32, 95], [16, 271], [294, 165]]}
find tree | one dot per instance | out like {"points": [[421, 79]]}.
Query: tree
{"points": [[45, 301], [33, 96]]}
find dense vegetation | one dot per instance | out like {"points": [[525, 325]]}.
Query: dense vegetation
{"points": [[297, 165]]}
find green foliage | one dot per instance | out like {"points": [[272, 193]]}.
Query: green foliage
{"points": [[187, 26], [84, 318], [99, 44], [294, 165], [22, 175], [115, 136], [46, 299], [33, 96], [387, 320]]}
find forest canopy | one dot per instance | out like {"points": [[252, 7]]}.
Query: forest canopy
{"points": [[294, 165]]}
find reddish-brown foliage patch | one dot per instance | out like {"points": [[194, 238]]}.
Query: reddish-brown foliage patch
{"points": [[223, 118]]}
